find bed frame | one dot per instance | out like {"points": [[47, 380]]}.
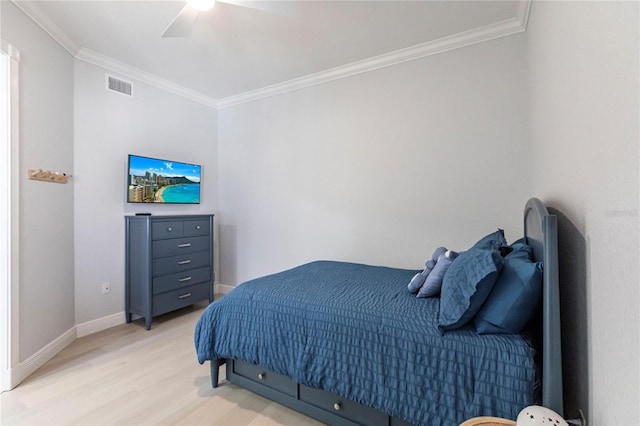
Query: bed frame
{"points": [[540, 230]]}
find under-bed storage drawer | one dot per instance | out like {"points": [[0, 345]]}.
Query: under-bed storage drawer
{"points": [[342, 407], [260, 375], [315, 403]]}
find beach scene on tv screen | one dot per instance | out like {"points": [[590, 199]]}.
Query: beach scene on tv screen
{"points": [[159, 181]]}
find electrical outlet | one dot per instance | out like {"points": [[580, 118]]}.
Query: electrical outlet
{"points": [[106, 288]]}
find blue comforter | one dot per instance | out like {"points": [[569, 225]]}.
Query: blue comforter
{"points": [[355, 330]]}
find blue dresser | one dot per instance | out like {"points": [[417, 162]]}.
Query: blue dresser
{"points": [[169, 263]]}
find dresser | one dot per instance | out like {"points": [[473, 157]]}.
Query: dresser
{"points": [[168, 265]]}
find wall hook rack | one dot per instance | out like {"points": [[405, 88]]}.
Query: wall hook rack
{"points": [[48, 176]]}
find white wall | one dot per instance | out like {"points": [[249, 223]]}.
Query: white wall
{"points": [[46, 288], [379, 168], [584, 120], [108, 126]]}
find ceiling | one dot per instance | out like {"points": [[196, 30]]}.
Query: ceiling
{"points": [[234, 51]]}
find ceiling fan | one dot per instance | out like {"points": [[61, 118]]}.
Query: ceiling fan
{"points": [[182, 24]]}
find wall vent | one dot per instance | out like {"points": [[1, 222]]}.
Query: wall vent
{"points": [[120, 86]]}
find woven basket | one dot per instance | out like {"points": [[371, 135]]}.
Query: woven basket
{"points": [[488, 421]]}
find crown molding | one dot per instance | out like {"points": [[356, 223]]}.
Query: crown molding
{"points": [[126, 70], [504, 28], [9, 50], [36, 14], [523, 9]]}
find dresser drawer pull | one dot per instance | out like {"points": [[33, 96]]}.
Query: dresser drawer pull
{"points": [[198, 227], [337, 406], [261, 376], [184, 245], [184, 296], [169, 229], [184, 262], [181, 280]]}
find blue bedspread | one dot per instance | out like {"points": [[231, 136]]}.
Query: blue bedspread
{"points": [[355, 330]]}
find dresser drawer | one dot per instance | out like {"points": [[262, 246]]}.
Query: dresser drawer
{"points": [[180, 298], [172, 247], [181, 279], [181, 263], [167, 229], [194, 228], [342, 407], [260, 375]]}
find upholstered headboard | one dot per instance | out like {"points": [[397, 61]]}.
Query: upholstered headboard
{"points": [[541, 232]]}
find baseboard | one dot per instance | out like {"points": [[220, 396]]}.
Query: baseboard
{"points": [[13, 376], [222, 288], [37, 360], [100, 324]]}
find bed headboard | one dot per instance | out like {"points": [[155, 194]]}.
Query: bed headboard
{"points": [[541, 233]]}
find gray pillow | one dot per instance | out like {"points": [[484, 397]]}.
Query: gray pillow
{"points": [[418, 279], [433, 282]]}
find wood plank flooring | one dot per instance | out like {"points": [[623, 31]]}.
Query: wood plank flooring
{"points": [[129, 376]]}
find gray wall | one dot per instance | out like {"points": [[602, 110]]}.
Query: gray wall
{"points": [[46, 290], [583, 79], [379, 168], [108, 126]]}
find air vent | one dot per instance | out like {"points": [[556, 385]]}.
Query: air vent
{"points": [[120, 86]]}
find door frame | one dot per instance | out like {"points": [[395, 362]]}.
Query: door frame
{"points": [[9, 218]]}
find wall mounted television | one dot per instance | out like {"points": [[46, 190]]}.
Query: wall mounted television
{"points": [[152, 180]]}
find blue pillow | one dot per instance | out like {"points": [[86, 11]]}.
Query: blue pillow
{"points": [[493, 241], [514, 300], [466, 286]]}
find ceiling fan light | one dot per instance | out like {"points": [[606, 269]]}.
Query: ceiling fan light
{"points": [[201, 5]]}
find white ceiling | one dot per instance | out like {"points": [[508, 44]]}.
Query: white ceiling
{"points": [[234, 50]]}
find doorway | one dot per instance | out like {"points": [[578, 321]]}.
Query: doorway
{"points": [[9, 57]]}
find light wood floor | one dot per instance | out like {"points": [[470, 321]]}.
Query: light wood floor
{"points": [[127, 375]]}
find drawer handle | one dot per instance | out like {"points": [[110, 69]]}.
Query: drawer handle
{"points": [[198, 227], [337, 406], [169, 229], [261, 376], [184, 262], [184, 296], [184, 245], [181, 280]]}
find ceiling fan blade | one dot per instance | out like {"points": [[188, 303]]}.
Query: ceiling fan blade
{"points": [[280, 7], [182, 24]]}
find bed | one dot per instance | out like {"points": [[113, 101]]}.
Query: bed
{"points": [[347, 344]]}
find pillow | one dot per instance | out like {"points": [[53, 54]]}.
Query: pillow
{"points": [[432, 284], [418, 279], [514, 300], [466, 286], [493, 241]]}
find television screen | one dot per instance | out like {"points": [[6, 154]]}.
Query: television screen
{"points": [[152, 180]]}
